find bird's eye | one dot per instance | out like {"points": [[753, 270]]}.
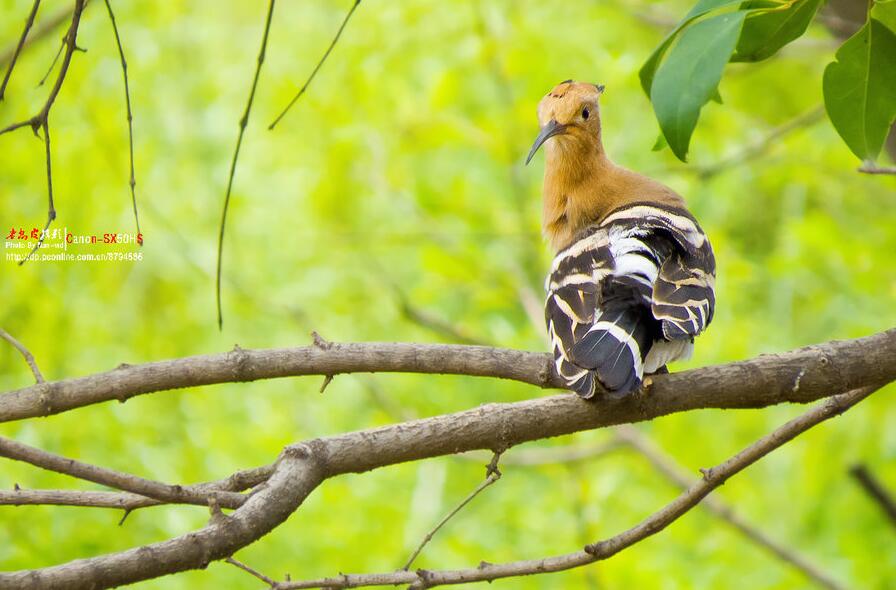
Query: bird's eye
{"points": [[585, 113]]}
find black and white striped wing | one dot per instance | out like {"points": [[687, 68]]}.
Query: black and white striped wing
{"points": [[683, 297], [628, 296], [571, 308]]}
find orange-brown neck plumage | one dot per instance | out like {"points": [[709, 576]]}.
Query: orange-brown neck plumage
{"points": [[582, 185]]}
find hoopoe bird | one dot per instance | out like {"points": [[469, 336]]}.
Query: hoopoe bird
{"points": [[632, 282]]}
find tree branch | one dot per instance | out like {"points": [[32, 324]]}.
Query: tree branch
{"points": [[45, 28], [875, 491], [115, 479], [492, 475], [668, 468], [41, 119], [653, 524], [801, 376], [320, 64], [244, 120], [492, 426], [15, 54], [758, 148], [132, 182], [871, 169], [71, 37], [296, 473], [29, 358]]}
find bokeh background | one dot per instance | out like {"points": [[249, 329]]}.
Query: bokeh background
{"points": [[397, 182]]}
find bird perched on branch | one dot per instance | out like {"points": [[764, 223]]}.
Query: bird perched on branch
{"points": [[632, 281]]}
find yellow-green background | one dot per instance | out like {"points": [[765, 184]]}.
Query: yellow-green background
{"points": [[403, 165]]}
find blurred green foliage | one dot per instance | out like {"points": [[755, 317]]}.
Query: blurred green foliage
{"points": [[403, 166]]}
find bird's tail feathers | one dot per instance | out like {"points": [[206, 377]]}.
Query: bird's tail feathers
{"points": [[614, 349]]}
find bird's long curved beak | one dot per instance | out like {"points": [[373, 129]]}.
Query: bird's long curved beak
{"points": [[548, 131]]}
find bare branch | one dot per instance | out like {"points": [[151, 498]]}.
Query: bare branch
{"points": [[116, 479], [41, 119], [92, 499], [769, 379], [673, 472], [320, 63], [51, 208], [487, 427], [244, 120], [875, 491], [565, 454], [872, 169], [239, 481], [15, 55], [29, 358], [254, 573], [52, 63], [38, 120], [296, 473], [712, 479], [492, 476], [757, 149], [127, 100], [43, 29], [432, 322]]}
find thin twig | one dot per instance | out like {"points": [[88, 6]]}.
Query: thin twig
{"points": [[493, 475], [92, 499], [667, 466], [244, 120], [875, 491], [71, 37], [318, 66], [43, 29], [872, 169], [653, 524], [41, 119], [755, 150], [29, 358], [127, 100], [251, 571], [127, 501], [115, 479], [52, 63], [15, 56], [432, 322], [51, 209]]}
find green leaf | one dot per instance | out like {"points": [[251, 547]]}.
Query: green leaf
{"points": [[765, 33], [860, 86], [648, 70], [660, 142], [690, 74]]}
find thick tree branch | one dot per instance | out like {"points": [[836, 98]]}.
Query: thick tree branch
{"points": [[801, 376], [296, 473], [796, 376], [653, 524], [492, 426]]}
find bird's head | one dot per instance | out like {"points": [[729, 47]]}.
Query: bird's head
{"points": [[569, 113]]}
